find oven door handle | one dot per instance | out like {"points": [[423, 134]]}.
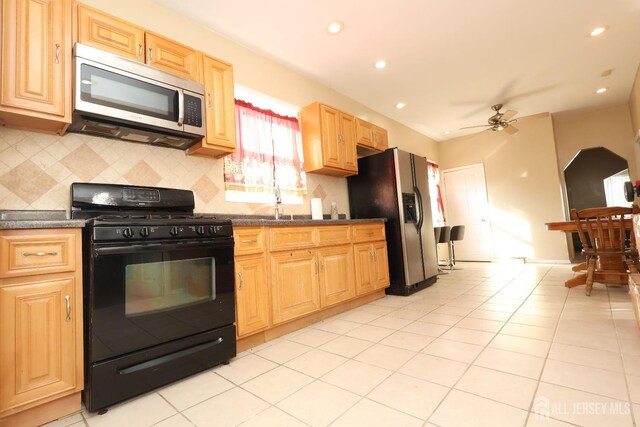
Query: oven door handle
{"points": [[155, 247]]}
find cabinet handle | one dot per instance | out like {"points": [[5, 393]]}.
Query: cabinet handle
{"points": [[57, 53], [375, 255], [250, 241], [139, 51], [150, 55], [316, 267], [68, 299], [39, 253], [321, 266], [209, 99], [241, 277]]}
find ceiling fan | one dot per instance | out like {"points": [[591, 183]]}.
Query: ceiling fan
{"points": [[500, 121]]}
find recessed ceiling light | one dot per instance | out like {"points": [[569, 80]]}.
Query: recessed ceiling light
{"points": [[380, 64], [601, 90], [400, 105], [447, 132], [597, 31], [335, 27]]}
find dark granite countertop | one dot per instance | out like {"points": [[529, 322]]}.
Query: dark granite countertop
{"points": [[22, 219], [258, 220], [57, 219]]}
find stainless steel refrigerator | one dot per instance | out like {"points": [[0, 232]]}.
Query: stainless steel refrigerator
{"points": [[394, 185]]}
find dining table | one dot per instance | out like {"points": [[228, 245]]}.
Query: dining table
{"points": [[611, 269]]}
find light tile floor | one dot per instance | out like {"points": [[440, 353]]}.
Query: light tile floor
{"points": [[488, 345]]}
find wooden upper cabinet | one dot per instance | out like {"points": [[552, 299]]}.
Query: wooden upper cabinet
{"points": [[364, 137], [106, 32], [220, 110], [380, 138], [171, 56], [109, 33], [370, 136], [329, 141], [36, 59]]}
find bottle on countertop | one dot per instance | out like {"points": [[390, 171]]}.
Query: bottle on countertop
{"points": [[334, 210]]}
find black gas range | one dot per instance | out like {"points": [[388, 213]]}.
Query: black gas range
{"points": [[158, 289]]}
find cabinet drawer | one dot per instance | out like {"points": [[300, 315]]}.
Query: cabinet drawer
{"points": [[248, 240], [29, 252], [283, 238], [368, 232], [334, 235]]}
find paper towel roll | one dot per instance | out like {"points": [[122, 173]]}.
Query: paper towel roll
{"points": [[316, 208]]}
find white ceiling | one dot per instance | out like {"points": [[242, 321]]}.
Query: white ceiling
{"points": [[448, 60]]}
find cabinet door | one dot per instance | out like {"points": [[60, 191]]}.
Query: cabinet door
{"points": [[364, 135], [172, 56], [331, 137], [380, 138], [252, 295], [294, 281], [364, 272], [109, 33], [349, 158], [35, 47], [380, 265], [337, 280], [40, 329]]}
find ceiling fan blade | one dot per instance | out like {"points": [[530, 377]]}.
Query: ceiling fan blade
{"points": [[479, 126], [510, 130], [507, 115]]}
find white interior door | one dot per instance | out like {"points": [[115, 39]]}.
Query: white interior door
{"points": [[465, 197]]}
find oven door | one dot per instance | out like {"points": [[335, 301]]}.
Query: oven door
{"points": [[142, 295]]}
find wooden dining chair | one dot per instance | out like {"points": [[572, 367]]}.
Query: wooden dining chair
{"points": [[606, 244]]}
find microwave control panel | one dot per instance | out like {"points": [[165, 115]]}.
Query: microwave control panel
{"points": [[192, 111]]}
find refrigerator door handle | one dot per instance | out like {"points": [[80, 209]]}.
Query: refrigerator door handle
{"points": [[419, 208]]}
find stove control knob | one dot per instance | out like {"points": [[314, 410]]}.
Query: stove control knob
{"points": [[174, 231], [212, 229], [200, 230], [127, 232], [144, 231]]}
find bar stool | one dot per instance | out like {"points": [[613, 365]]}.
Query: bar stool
{"points": [[445, 237], [437, 232], [457, 234]]}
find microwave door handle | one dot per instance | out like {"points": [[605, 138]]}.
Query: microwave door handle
{"points": [[180, 107]]}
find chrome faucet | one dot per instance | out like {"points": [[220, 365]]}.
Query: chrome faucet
{"points": [[276, 192]]}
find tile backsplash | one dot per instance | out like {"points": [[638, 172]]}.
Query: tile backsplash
{"points": [[36, 171]]}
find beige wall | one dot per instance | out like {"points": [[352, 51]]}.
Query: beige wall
{"points": [[523, 186], [608, 127], [634, 110], [55, 162]]}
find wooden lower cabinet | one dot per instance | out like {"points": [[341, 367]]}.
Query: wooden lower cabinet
{"points": [[372, 271], [252, 295], [40, 328], [41, 351], [337, 280], [294, 284], [288, 277]]}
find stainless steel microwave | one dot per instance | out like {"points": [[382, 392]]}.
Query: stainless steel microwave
{"points": [[119, 98]]}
